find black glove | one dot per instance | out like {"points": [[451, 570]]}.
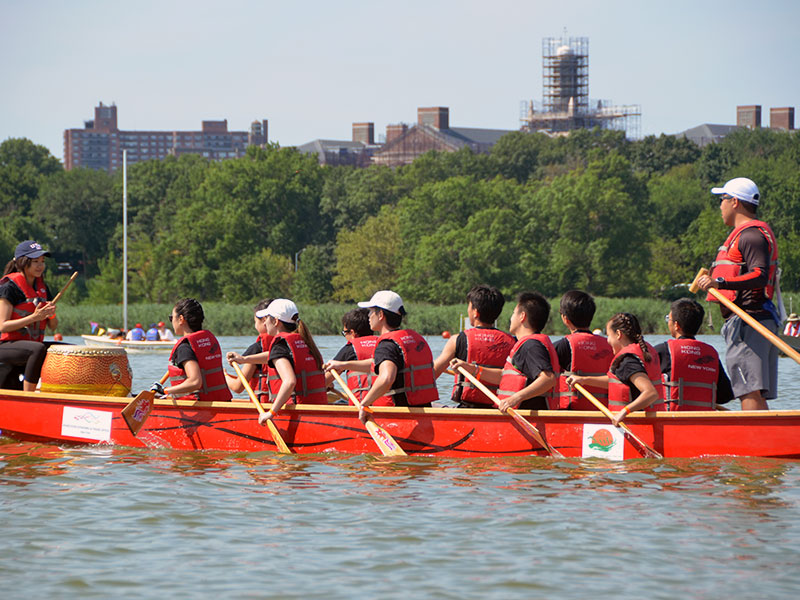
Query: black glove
{"points": [[157, 388]]}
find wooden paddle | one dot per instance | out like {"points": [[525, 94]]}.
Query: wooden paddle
{"points": [[273, 429], [137, 410], [648, 451], [774, 339], [385, 442], [64, 289], [523, 422]]}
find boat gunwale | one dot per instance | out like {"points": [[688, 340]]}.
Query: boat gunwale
{"points": [[245, 403]]}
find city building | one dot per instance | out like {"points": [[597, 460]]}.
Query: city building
{"points": [[566, 105], [747, 116], [356, 152], [99, 145], [432, 132]]}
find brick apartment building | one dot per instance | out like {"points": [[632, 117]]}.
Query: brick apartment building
{"points": [[100, 143]]}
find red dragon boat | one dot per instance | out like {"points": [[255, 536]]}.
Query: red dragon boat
{"points": [[67, 418]]}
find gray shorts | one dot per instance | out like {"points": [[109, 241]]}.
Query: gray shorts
{"points": [[752, 360]]}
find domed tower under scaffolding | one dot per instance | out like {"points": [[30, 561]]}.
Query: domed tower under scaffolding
{"points": [[565, 97]]}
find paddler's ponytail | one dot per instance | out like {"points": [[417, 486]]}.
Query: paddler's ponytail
{"points": [[306, 335]]}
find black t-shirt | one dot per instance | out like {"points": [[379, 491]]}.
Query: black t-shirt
{"points": [[750, 289], [627, 367], [532, 358], [564, 350], [183, 353], [724, 389], [280, 349], [254, 348], [389, 350], [346, 353], [11, 292]]}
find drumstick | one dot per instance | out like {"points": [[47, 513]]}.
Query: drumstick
{"points": [[64, 289]]}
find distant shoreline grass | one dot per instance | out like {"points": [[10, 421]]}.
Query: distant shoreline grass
{"points": [[325, 319]]}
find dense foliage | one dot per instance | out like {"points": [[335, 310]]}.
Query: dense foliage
{"points": [[589, 210]]}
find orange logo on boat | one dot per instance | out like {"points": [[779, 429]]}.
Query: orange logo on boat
{"points": [[602, 440]]}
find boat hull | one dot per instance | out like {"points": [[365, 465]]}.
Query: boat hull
{"points": [[129, 345], [233, 426]]}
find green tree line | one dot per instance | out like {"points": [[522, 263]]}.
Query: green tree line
{"points": [[591, 210]]}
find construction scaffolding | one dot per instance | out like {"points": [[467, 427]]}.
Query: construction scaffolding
{"points": [[565, 102]]}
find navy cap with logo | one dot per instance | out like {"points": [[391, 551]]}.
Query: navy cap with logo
{"points": [[30, 249]]}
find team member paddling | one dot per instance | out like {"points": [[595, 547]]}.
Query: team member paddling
{"points": [[295, 364], [361, 343], [745, 272], [256, 356], [402, 361], [482, 345], [137, 334], [634, 377], [195, 365], [581, 352], [25, 313], [694, 377], [531, 369]]}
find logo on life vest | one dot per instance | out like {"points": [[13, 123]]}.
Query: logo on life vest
{"points": [[602, 440]]}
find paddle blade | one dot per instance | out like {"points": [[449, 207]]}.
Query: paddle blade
{"points": [[276, 437], [137, 411], [386, 443]]}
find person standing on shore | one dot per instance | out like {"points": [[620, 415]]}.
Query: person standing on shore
{"points": [[746, 272]]}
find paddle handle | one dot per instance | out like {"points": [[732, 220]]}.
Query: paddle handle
{"points": [[590, 397], [64, 289], [273, 429], [346, 389], [774, 339], [529, 427]]}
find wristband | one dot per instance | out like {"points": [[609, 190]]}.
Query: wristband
{"points": [[627, 409], [478, 372]]}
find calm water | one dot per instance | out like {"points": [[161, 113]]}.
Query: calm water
{"points": [[98, 522]]}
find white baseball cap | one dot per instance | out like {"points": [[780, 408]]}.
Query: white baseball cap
{"points": [[385, 299], [282, 309], [742, 188]]}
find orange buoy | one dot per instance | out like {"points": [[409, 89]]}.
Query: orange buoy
{"points": [[446, 334], [58, 337]]}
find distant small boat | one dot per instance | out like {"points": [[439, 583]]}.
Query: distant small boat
{"points": [[129, 345]]}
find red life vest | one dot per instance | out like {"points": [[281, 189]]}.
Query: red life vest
{"points": [[358, 382], [619, 394], [486, 347], [419, 385], [729, 260], [310, 385], [591, 357], [513, 380], [33, 296], [260, 380], [692, 380], [206, 349]]}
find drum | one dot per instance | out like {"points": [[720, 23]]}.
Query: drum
{"points": [[86, 370]]}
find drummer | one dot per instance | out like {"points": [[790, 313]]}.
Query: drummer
{"points": [[195, 365], [25, 312]]}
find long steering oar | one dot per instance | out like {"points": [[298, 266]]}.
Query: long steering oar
{"points": [[64, 289], [386, 443], [137, 410], [273, 429], [648, 451], [787, 349], [523, 422]]}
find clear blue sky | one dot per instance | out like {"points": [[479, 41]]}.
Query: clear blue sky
{"points": [[313, 68]]}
